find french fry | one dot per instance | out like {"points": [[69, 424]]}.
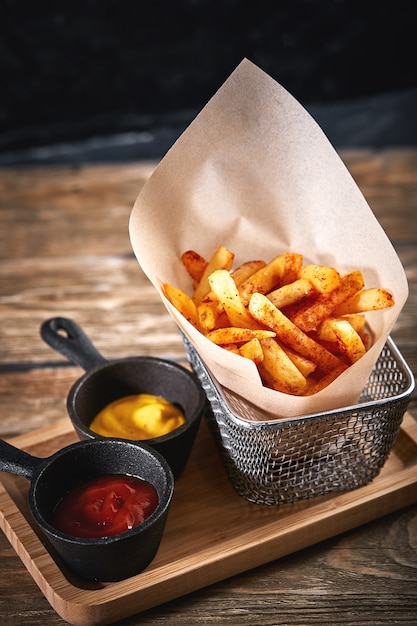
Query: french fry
{"points": [[302, 326], [264, 280], [372, 299], [292, 266], [221, 259], [366, 338], [232, 347], [291, 293], [314, 385], [231, 334], [323, 278], [309, 315], [194, 263], [357, 320], [305, 366], [208, 313], [252, 350], [278, 370], [268, 315], [182, 302], [325, 331], [348, 340], [223, 285], [245, 270]]}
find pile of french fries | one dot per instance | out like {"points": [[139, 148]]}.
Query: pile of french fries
{"points": [[302, 325]]}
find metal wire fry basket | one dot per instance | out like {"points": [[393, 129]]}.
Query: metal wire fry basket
{"points": [[292, 459]]}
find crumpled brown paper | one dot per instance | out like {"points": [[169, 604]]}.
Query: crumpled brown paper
{"points": [[254, 172]]}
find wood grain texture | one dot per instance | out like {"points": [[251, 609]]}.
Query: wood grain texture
{"points": [[65, 250], [225, 534]]}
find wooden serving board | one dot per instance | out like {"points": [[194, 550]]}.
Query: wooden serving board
{"points": [[211, 533]]}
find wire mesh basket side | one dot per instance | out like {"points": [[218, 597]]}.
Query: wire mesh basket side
{"points": [[288, 460]]}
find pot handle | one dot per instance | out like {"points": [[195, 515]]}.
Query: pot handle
{"points": [[73, 343], [16, 461]]}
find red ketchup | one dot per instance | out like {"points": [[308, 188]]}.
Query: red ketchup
{"points": [[105, 506]]}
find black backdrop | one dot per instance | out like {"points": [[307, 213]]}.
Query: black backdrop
{"points": [[71, 70]]}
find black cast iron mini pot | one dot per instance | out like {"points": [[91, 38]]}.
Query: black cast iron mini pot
{"points": [[105, 559], [106, 381]]}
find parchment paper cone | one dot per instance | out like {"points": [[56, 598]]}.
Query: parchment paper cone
{"points": [[255, 172]]}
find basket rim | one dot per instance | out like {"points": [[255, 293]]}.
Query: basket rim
{"points": [[260, 424]]}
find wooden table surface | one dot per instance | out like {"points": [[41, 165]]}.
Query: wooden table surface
{"points": [[65, 250]]}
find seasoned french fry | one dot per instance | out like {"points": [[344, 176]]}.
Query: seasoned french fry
{"points": [[232, 347], [292, 266], [372, 299], [208, 313], [323, 278], [231, 334], [314, 385], [252, 350], [264, 280], [211, 313], [325, 331], [356, 320], [279, 371], [194, 263], [268, 315], [182, 302], [349, 342], [366, 338], [227, 293], [302, 326], [221, 259], [245, 270], [309, 315], [305, 366], [291, 293]]}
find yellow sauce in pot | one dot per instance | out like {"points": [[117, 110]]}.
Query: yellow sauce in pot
{"points": [[142, 416]]}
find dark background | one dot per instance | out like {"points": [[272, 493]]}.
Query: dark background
{"points": [[118, 79]]}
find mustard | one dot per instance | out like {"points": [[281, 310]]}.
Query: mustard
{"points": [[142, 416]]}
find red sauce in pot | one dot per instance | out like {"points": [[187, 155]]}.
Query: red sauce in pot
{"points": [[105, 506]]}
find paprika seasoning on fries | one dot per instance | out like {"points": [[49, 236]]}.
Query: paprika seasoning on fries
{"points": [[301, 324]]}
